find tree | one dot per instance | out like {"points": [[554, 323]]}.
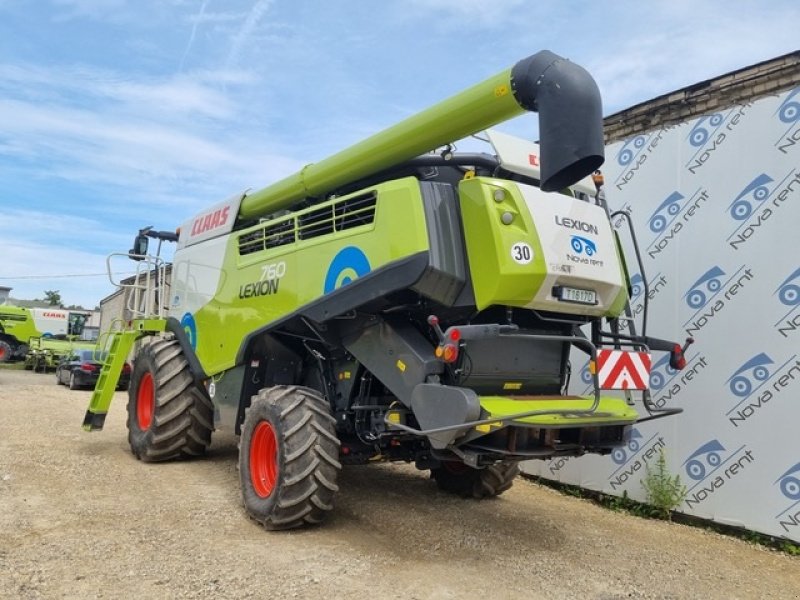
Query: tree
{"points": [[52, 297]]}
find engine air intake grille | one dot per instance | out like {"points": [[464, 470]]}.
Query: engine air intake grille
{"points": [[315, 222]]}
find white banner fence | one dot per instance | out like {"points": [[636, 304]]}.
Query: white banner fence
{"points": [[716, 206]]}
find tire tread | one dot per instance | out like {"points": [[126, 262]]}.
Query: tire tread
{"points": [[183, 416], [306, 483]]}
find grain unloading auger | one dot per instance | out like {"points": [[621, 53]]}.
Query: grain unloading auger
{"points": [[388, 303]]}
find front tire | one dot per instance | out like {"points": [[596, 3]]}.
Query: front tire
{"points": [[288, 458], [6, 351], [457, 478], [169, 415]]}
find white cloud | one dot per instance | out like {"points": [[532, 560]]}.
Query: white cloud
{"points": [[274, 85], [684, 43], [61, 225], [477, 12], [100, 10], [150, 138], [196, 94], [68, 266], [195, 22]]}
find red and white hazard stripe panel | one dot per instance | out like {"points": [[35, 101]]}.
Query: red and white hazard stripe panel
{"points": [[623, 370]]}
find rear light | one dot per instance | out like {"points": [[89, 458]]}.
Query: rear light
{"points": [[447, 352], [677, 358], [126, 369], [88, 368]]}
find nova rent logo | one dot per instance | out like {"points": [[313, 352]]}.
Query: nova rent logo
{"points": [[583, 245], [711, 293], [665, 385], [556, 464], [711, 466], [788, 294], [757, 382], [586, 379], [631, 458], [709, 134], [633, 154], [789, 485], [584, 251], [671, 216], [789, 114], [758, 201]]}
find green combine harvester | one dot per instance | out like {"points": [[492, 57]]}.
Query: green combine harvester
{"points": [[38, 335], [398, 301]]}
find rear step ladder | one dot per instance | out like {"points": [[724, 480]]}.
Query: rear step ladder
{"points": [[121, 344]]}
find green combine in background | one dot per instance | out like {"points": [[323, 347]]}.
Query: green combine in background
{"points": [[398, 301], [55, 328]]}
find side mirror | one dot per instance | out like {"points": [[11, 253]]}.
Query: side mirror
{"points": [[139, 249]]}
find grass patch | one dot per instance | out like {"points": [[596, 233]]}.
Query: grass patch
{"points": [[13, 366], [640, 509]]}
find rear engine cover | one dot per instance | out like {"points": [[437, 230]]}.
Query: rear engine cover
{"points": [[526, 246]]}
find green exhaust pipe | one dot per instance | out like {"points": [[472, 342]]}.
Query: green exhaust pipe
{"points": [[570, 132]]}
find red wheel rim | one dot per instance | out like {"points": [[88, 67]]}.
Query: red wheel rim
{"points": [[2, 352], [145, 401], [263, 459]]}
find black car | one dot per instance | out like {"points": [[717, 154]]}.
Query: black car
{"points": [[81, 368]]}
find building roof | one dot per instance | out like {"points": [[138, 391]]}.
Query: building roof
{"points": [[761, 79]]}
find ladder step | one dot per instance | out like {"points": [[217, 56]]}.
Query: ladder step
{"points": [[106, 385]]}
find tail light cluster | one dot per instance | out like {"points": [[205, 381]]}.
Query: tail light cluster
{"points": [[126, 369], [447, 350], [88, 367]]}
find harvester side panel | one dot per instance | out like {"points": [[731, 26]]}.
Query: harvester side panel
{"points": [[272, 269]]}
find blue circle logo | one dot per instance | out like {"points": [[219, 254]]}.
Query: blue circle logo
{"points": [[349, 263], [190, 328]]}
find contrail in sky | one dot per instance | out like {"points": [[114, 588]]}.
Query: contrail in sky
{"points": [[251, 21], [197, 20]]}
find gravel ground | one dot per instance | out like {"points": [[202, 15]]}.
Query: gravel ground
{"points": [[80, 517]]}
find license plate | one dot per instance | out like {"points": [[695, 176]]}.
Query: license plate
{"points": [[577, 295]]}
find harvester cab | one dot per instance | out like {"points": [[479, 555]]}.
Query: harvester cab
{"points": [[399, 302]]}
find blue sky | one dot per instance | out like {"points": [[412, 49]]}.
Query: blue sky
{"points": [[117, 114]]}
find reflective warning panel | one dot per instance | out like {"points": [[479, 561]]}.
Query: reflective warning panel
{"points": [[623, 370]]}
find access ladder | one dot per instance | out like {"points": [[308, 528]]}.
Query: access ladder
{"points": [[121, 344]]}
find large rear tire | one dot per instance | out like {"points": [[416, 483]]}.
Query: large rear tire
{"points": [[288, 458], [169, 415], [455, 477]]}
